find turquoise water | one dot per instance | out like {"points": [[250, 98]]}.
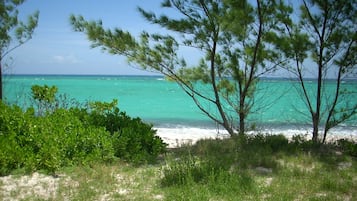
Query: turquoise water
{"points": [[164, 103]]}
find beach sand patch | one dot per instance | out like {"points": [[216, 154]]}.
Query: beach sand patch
{"points": [[36, 185]]}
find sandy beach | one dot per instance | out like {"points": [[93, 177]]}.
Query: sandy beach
{"points": [[176, 137]]}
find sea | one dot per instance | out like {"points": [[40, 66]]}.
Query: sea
{"points": [[279, 107]]}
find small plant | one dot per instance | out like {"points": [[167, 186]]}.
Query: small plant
{"points": [[186, 170], [45, 97], [192, 172], [103, 107], [348, 146]]}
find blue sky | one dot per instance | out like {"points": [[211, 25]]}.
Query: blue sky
{"points": [[56, 49]]}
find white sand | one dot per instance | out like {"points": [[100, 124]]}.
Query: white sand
{"points": [[175, 137], [35, 185]]}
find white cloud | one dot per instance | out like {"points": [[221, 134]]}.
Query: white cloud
{"points": [[66, 59]]}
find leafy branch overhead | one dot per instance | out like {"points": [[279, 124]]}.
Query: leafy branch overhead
{"points": [[13, 32], [240, 41], [235, 54]]}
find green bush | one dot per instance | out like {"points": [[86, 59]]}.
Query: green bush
{"points": [[12, 121], [266, 143], [51, 137], [348, 146], [133, 140], [49, 142]]}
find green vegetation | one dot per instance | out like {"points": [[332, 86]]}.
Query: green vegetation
{"points": [[13, 32], [59, 137], [241, 41], [49, 142], [261, 167], [234, 55], [249, 168], [132, 139], [325, 35], [98, 152]]}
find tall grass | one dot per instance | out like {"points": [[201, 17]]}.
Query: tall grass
{"points": [[259, 168], [247, 168]]}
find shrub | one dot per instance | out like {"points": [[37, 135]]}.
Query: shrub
{"points": [[48, 142], [12, 121], [348, 146], [133, 140], [277, 143], [267, 143], [46, 100], [53, 137]]}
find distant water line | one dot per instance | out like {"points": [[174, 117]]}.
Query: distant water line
{"points": [[164, 103]]}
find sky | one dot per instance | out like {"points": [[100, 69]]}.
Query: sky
{"points": [[56, 49]]}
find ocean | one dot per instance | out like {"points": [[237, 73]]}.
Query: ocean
{"points": [[279, 106]]}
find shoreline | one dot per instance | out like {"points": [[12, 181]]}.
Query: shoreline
{"points": [[176, 137]]}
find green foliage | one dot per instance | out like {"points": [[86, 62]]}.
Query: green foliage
{"points": [[324, 33], [274, 143], [44, 97], [259, 167], [234, 55], [66, 137], [233, 156], [49, 142], [103, 107], [133, 140], [10, 25], [13, 32], [44, 93], [348, 146], [189, 171], [46, 100], [299, 176]]}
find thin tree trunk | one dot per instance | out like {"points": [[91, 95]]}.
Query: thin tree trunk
{"points": [[242, 115], [316, 115], [315, 126], [243, 110], [226, 124]]}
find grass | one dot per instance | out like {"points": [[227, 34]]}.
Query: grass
{"points": [[250, 168], [111, 182]]}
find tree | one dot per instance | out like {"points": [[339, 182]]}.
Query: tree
{"points": [[13, 33], [234, 37], [326, 33]]}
